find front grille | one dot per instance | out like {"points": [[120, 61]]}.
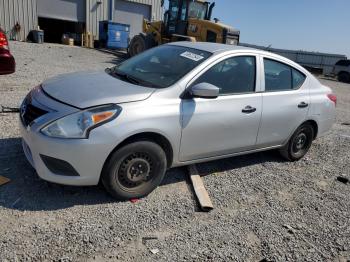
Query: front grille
{"points": [[29, 113]]}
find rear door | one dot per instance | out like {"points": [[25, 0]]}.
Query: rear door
{"points": [[285, 102], [229, 123]]}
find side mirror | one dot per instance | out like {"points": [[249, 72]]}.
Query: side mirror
{"points": [[204, 90]]}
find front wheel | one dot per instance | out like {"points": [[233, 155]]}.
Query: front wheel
{"points": [[137, 45], [134, 170], [299, 144]]}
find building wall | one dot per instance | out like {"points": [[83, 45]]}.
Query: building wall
{"points": [[131, 13], [157, 13], [67, 10], [25, 13], [96, 12], [22, 11]]}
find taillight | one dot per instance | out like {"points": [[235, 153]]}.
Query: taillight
{"points": [[3, 41], [333, 98]]}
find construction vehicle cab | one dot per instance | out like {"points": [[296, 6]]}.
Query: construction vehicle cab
{"points": [[176, 17], [185, 20]]}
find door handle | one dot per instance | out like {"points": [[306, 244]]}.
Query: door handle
{"points": [[248, 109], [303, 105]]}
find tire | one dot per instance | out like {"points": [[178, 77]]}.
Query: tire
{"points": [[137, 45], [344, 77], [299, 144], [134, 170], [140, 43], [150, 41]]}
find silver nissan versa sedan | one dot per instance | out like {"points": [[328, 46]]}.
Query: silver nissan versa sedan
{"points": [[172, 105]]}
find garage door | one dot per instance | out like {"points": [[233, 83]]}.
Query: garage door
{"points": [[131, 13], [71, 10]]}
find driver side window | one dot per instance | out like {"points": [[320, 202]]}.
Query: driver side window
{"points": [[234, 75]]}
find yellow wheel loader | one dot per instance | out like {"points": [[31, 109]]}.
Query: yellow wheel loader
{"points": [[185, 20]]}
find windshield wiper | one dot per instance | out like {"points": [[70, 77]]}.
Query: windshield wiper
{"points": [[131, 79], [126, 77]]}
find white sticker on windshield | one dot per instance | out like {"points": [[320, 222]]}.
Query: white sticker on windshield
{"points": [[192, 56]]}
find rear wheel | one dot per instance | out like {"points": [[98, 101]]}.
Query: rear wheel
{"points": [[344, 77], [134, 170], [299, 144]]}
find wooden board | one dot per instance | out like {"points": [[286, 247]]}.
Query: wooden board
{"points": [[199, 189], [4, 180]]}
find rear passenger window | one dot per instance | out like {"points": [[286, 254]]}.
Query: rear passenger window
{"points": [[298, 78], [281, 77]]}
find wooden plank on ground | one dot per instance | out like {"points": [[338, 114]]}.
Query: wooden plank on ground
{"points": [[199, 189], [4, 180]]}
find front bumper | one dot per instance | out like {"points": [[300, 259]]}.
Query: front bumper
{"points": [[85, 156]]}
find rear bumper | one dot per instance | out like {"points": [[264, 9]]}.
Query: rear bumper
{"points": [[324, 126]]}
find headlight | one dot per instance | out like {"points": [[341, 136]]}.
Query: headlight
{"points": [[78, 125]]}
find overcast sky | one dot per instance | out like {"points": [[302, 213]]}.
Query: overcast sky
{"points": [[312, 25]]}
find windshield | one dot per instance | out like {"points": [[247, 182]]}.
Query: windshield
{"points": [[197, 10], [159, 67]]}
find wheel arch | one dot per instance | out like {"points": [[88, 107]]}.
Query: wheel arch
{"points": [[155, 137], [312, 122], [314, 125]]}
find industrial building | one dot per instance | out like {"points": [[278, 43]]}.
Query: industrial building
{"points": [[56, 17]]}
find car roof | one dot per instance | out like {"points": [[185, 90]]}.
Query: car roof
{"points": [[213, 47]]}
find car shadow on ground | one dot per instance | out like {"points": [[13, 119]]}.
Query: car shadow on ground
{"points": [[26, 191], [118, 56]]}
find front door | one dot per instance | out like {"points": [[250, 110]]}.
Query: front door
{"points": [[229, 123]]}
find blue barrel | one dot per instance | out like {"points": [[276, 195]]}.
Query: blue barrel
{"points": [[114, 35], [38, 36]]}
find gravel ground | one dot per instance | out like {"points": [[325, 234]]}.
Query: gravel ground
{"points": [[266, 209]]}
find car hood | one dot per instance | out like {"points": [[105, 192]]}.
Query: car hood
{"points": [[87, 89]]}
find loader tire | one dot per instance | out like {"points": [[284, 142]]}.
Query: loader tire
{"points": [[140, 43]]}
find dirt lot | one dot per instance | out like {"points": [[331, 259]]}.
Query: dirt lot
{"points": [[266, 209]]}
